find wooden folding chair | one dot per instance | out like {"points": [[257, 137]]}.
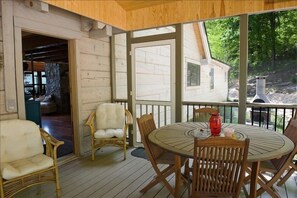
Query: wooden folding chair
{"points": [[291, 167], [156, 155], [203, 114], [219, 167], [278, 167]]}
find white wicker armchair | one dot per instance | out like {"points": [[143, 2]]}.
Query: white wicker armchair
{"points": [[109, 126], [22, 159]]}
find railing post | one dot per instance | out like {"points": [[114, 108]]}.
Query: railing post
{"points": [[129, 84], [243, 68]]}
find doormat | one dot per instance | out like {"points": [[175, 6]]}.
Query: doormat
{"points": [[139, 152]]}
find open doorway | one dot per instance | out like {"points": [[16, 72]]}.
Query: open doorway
{"points": [[47, 88]]}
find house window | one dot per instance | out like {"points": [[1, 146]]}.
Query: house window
{"points": [[211, 74], [193, 74], [34, 83]]}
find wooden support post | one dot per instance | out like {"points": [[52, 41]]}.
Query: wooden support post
{"points": [[243, 68], [178, 72]]}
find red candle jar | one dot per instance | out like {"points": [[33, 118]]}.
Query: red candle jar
{"points": [[215, 124]]}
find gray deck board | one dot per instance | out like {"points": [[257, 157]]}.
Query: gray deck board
{"points": [[110, 176]]}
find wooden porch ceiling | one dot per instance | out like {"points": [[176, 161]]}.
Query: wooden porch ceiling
{"points": [[140, 14]]}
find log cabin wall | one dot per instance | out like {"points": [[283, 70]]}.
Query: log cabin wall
{"points": [[94, 60], [89, 64], [2, 89], [7, 88], [3, 113]]}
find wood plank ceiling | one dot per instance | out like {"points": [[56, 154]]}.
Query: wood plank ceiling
{"points": [[140, 14]]}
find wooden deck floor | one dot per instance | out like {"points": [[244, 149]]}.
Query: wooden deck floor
{"points": [[109, 176]]}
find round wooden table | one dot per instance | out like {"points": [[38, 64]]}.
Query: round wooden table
{"points": [[264, 144]]}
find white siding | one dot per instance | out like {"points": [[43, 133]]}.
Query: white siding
{"points": [[202, 93], [147, 60]]}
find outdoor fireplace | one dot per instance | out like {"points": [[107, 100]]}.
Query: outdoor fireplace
{"points": [[260, 96], [259, 114]]}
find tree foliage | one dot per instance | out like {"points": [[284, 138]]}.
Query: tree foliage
{"points": [[272, 41]]}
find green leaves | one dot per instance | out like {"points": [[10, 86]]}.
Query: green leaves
{"points": [[272, 41]]}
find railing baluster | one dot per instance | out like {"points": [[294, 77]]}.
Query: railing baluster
{"points": [[275, 119], [192, 113], [284, 119], [231, 115], [187, 113], [159, 119], [267, 117], [224, 113], [252, 116], [165, 114]]}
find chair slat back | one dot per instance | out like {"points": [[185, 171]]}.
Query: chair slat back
{"points": [[291, 133], [219, 166], [146, 125], [203, 114]]}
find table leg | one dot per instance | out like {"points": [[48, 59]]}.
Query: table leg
{"points": [[254, 178], [177, 176]]}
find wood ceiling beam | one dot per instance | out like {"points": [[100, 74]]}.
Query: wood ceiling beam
{"points": [[45, 49], [37, 40], [168, 13], [52, 59], [46, 54]]}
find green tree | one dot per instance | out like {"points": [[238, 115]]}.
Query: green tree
{"points": [[272, 41], [223, 37]]}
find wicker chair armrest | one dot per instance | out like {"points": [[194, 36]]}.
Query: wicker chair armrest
{"points": [[52, 144], [129, 117], [128, 121], [91, 123]]}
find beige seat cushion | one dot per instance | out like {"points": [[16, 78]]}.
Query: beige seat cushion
{"points": [[109, 133], [25, 166], [20, 139], [110, 116]]}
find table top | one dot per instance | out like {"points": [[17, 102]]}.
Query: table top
{"points": [[264, 143]]}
